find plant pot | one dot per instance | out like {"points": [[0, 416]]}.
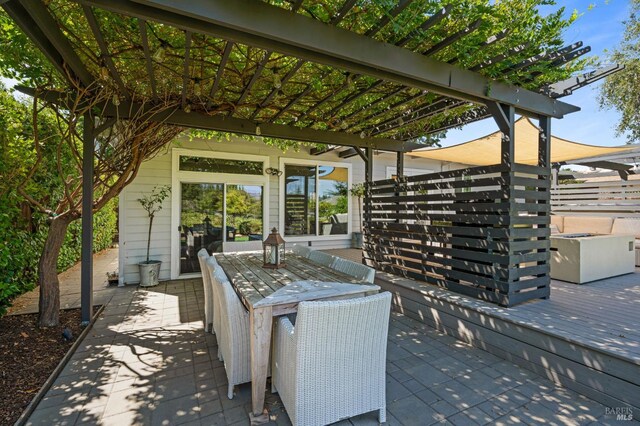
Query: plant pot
{"points": [[356, 240], [149, 272], [113, 281]]}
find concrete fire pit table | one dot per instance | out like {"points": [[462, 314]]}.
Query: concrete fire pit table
{"points": [[581, 258]]}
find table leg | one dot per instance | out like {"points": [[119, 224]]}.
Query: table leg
{"points": [[261, 321]]}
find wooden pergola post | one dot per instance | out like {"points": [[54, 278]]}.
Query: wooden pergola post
{"points": [[86, 271]]}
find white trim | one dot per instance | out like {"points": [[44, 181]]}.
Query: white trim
{"points": [[122, 249], [178, 176], [304, 162]]}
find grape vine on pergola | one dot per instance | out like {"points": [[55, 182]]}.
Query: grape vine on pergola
{"points": [[368, 75]]}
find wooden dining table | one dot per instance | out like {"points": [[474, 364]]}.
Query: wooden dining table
{"points": [[269, 293]]}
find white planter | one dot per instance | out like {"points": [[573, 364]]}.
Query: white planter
{"points": [[149, 272]]}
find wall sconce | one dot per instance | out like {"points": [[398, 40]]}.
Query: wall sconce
{"points": [[273, 172]]}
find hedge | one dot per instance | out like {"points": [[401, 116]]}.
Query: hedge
{"points": [[20, 249]]}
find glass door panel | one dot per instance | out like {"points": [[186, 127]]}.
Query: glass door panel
{"points": [[244, 213], [201, 222], [300, 200], [333, 200]]}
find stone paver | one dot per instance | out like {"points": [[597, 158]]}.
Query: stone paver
{"points": [[147, 361]]}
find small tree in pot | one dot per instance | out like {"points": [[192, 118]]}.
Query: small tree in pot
{"points": [[152, 204], [358, 191]]}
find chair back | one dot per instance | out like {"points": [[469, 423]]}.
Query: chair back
{"points": [[239, 246], [301, 250], [211, 264], [357, 270], [234, 329], [322, 258], [339, 340], [203, 255]]}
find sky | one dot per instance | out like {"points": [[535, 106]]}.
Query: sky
{"points": [[601, 28]]}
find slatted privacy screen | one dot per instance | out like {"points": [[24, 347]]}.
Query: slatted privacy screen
{"points": [[481, 231], [616, 198]]}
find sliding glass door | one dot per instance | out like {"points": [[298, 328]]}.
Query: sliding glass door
{"points": [[214, 213]]}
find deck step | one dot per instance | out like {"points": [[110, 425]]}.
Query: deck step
{"points": [[607, 377]]}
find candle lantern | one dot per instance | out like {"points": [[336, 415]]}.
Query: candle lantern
{"points": [[273, 248]]}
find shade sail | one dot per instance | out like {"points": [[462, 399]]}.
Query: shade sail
{"points": [[485, 151]]}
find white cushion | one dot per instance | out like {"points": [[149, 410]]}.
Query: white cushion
{"points": [[592, 224], [554, 229], [558, 221], [626, 226], [638, 243]]}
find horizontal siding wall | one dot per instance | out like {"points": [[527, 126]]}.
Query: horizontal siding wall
{"points": [[157, 171]]}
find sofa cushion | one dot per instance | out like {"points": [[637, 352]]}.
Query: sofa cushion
{"points": [[626, 226], [638, 243], [592, 224], [558, 221], [554, 229]]}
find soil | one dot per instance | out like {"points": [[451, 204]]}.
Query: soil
{"points": [[28, 356]]}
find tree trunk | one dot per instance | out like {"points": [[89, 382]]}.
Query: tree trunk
{"points": [[48, 273]]}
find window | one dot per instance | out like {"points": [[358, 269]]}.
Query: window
{"points": [[315, 200], [220, 165]]}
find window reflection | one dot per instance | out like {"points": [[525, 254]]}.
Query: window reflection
{"points": [[200, 222], [244, 213], [300, 200], [333, 200]]}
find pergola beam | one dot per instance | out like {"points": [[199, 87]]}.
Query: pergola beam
{"points": [[198, 120], [104, 50], [49, 27], [268, 27], [142, 24], [221, 67], [185, 68]]}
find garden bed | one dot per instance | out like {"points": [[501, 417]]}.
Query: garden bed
{"points": [[28, 356]]}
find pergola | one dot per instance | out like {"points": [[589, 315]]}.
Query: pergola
{"points": [[315, 72]]}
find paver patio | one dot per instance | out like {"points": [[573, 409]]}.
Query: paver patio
{"points": [[148, 361]]}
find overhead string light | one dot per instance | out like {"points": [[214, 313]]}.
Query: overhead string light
{"points": [[160, 52], [277, 81], [258, 131], [197, 88]]}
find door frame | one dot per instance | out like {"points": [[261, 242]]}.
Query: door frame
{"points": [[178, 177]]}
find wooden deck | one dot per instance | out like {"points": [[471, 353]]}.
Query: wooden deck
{"points": [[586, 337]]}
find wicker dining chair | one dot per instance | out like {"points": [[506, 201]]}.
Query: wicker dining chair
{"points": [[238, 246], [235, 342], [322, 258], [203, 255], [331, 364], [211, 265], [301, 250], [356, 270]]}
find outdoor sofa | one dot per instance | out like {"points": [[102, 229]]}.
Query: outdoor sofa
{"points": [[598, 225]]}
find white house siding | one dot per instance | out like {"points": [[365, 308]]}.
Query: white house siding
{"points": [[158, 171]]}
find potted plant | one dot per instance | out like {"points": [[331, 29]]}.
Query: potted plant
{"points": [[152, 204], [112, 278], [358, 191]]}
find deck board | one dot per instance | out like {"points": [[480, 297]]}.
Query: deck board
{"points": [[602, 314]]}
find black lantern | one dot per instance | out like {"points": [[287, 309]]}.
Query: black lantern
{"points": [[273, 248]]}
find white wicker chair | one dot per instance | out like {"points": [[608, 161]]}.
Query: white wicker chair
{"points": [[356, 270], [331, 364], [301, 250], [322, 258], [235, 342], [211, 265], [203, 255], [238, 246]]}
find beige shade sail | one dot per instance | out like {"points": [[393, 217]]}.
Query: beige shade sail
{"points": [[485, 151]]}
